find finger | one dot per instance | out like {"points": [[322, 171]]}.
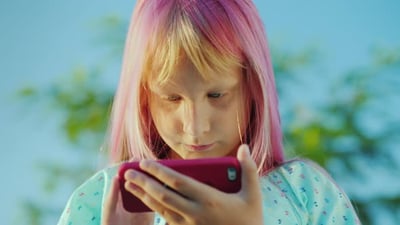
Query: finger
{"points": [[131, 186], [110, 206], [185, 185], [153, 204], [112, 200], [250, 180], [154, 194]]}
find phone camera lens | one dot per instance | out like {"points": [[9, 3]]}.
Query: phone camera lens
{"points": [[232, 174]]}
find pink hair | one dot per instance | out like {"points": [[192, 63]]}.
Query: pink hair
{"points": [[214, 35]]}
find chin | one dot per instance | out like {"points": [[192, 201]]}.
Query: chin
{"points": [[211, 153]]}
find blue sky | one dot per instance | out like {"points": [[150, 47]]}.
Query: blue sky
{"points": [[42, 40]]}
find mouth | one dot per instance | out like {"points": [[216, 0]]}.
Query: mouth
{"points": [[198, 148]]}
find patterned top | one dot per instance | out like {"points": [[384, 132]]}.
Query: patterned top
{"points": [[297, 193]]}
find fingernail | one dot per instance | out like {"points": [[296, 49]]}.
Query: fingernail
{"points": [[131, 174], [246, 149]]}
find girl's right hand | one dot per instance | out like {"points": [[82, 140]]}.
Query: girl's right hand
{"points": [[114, 214]]}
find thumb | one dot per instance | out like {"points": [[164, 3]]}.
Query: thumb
{"points": [[250, 181], [113, 197]]}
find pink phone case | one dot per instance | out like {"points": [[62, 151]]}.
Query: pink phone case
{"points": [[223, 173]]}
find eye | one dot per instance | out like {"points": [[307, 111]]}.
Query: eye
{"points": [[173, 98], [215, 95]]}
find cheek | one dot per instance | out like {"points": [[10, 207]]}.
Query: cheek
{"points": [[235, 119], [230, 117], [235, 108], [164, 118]]}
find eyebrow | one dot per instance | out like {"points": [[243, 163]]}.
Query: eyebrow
{"points": [[156, 88]]}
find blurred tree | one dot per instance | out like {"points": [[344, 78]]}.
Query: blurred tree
{"points": [[355, 125], [335, 132]]}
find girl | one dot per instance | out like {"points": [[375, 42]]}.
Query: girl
{"points": [[197, 82]]}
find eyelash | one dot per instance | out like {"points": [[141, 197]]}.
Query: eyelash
{"points": [[175, 98], [215, 95]]}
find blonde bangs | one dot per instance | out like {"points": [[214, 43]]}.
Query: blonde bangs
{"points": [[182, 41]]}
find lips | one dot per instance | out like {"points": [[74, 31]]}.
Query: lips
{"points": [[199, 147]]}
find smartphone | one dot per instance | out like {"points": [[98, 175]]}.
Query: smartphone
{"points": [[222, 173]]}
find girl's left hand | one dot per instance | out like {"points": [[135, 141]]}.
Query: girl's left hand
{"points": [[203, 204]]}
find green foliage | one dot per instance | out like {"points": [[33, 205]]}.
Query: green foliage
{"points": [[326, 135], [57, 175], [27, 92], [85, 103], [34, 212], [82, 100]]}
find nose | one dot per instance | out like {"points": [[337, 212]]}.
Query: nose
{"points": [[195, 119]]}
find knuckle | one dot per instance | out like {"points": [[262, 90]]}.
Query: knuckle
{"points": [[146, 184], [146, 199], [164, 197], [173, 217], [178, 219], [197, 220], [252, 171], [155, 169], [176, 183], [211, 204]]}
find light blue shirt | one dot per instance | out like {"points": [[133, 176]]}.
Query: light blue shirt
{"points": [[298, 192]]}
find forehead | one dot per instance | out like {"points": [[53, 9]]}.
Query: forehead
{"points": [[186, 76]]}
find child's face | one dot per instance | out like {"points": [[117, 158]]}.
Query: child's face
{"points": [[199, 118]]}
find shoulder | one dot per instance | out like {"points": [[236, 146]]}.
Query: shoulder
{"points": [[97, 184], [304, 178], [301, 170], [85, 203], [309, 192]]}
